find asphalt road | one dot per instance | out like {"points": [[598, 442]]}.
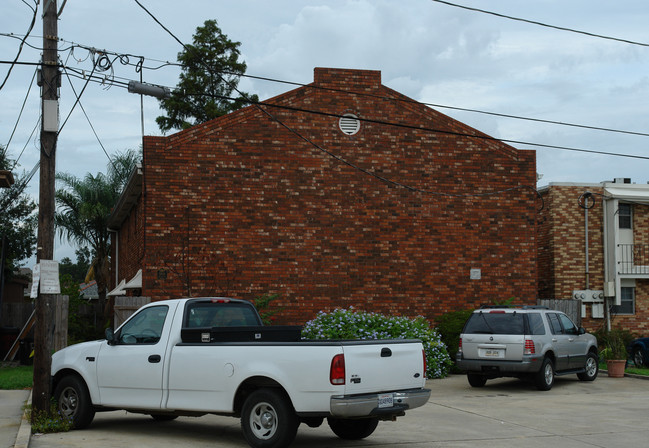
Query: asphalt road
{"points": [[608, 412]]}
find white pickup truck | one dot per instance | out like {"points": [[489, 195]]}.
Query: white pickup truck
{"points": [[190, 357]]}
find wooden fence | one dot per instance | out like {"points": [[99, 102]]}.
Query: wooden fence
{"points": [[126, 306], [571, 307]]}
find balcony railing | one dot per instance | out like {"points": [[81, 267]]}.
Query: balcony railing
{"points": [[633, 259]]}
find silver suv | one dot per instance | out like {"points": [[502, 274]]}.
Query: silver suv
{"points": [[529, 343]]}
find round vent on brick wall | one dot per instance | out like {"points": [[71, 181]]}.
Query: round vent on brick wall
{"points": [[349, 124]]}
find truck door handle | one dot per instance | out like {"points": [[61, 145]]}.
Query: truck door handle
{"points": [[153, 359], [386, 352]]}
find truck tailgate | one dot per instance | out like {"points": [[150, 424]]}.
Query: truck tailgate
{"points": [[383, 366]]}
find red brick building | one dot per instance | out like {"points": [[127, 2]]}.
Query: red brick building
{"points": [[291, 198], [617, 250]]}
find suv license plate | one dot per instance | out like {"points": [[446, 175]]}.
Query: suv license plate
{"points": [[493, 353], [386, 401]]}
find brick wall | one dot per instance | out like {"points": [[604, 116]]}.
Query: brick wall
{"points": [[562, 255], [240, 206]]}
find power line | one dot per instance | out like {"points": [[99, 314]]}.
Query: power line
{"points": [[419, 128], [463, 109], [78, 97], [22, 108], [22, 42], [534, 22], [124, 60], [329, 153]]}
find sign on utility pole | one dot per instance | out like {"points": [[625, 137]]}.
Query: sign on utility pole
{"points": [[50, 80]]}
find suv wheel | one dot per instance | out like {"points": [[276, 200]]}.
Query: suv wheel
{"points": [[476, 380], [545, 377], [591, 368]]}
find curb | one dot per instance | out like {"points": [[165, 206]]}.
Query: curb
{"points": [[629, 375], [25, 431]]}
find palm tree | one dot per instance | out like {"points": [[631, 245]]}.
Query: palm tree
{"points": [[83, 208]]}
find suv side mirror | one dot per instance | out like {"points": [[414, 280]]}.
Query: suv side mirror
{"points": [[582, 330]]}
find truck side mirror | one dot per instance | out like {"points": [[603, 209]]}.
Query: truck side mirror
{"points": [[110, 336]]}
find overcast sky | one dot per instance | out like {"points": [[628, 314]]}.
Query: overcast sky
{"points": [[429, 51]]}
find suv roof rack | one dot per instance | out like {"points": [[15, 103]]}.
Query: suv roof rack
{"points": [[535, 307], [494, 307]]}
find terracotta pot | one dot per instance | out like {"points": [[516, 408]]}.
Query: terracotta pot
{"points": [[615, 367]]}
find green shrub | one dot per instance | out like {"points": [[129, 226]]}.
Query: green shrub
{"points": [[351, 324], [264, 308], [48, 422], [612, 344], [450, 327]]}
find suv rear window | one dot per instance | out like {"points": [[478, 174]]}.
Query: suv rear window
{"points": [[495, 323]]}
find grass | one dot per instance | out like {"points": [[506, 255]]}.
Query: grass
{"points": [[16, 377]]}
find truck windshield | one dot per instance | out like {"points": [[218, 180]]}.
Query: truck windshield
{"points": [[220, 314], [495, 323]]}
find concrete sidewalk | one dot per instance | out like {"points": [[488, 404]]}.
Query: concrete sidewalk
{"points": [[506, 413], [11, 415]]}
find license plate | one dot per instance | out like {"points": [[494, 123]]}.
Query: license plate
{"points": [[492, 353], [386, 401]]}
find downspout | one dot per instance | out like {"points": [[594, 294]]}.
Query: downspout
{"points": [[583, 203], [116, 232], [587, 272]]}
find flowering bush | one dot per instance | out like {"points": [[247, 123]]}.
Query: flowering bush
{"points": [[351, 324]]}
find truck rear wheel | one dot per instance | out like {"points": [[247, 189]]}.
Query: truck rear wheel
{"points": [[268, 419], [73, 401], [353, 429]]}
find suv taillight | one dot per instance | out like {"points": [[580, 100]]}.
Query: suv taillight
{"points": [[337, 372], [459, 348], [529, 347]]}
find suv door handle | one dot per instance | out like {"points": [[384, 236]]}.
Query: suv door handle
{"points": [[554, 339], [153, 359]]}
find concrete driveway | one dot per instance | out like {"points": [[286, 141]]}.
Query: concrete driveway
{"points": [[505, 413]]}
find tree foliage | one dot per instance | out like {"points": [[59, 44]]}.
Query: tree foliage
{"points": [[210, 75], [84, 206], [77, 271], [18, 219]]}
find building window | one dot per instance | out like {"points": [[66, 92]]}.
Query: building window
{"points": [[624, 216], [627, 302]]}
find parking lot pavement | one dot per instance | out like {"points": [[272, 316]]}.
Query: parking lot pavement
{"points": [[608, 412]]}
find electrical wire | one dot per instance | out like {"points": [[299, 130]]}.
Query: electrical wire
{"points": [[404, 125], [22, 43], [320, 148], [124, 60], [462, 109], [22, 108], [534, 22], [78, 97]]}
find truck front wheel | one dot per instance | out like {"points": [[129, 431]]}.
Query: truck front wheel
{"points": [[268, 419], [73, 401], [352, 429]]}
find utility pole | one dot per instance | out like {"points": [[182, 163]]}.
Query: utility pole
{"points": [[45, 250]]}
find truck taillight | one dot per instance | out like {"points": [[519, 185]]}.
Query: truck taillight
{"points": [[529, 347], [423, 352], [337, 372]]}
